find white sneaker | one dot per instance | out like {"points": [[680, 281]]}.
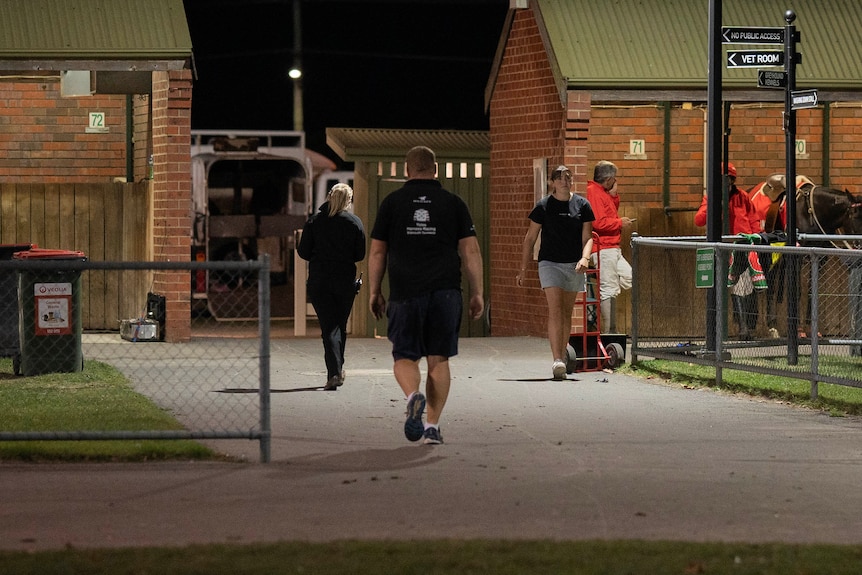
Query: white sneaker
{"points": [[559, 369]]}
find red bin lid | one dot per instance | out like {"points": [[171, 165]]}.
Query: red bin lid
{"points": [[46, 254]]}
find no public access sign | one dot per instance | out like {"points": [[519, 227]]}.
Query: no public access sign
{"points": [[751, 35], [754, 58]]}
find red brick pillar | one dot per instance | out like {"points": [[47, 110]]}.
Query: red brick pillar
{"points": [[577, 136], [171, 197]]}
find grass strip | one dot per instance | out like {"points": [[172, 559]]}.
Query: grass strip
{"points": [[99, 398], [447, 557]]}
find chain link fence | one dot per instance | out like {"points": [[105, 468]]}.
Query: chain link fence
{"points": [[690, 303], [213, 380]]}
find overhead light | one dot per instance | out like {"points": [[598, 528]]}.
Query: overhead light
{"points": [[295, 73]]}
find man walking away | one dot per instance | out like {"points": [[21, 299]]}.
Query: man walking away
{"points": [[422, 236]]}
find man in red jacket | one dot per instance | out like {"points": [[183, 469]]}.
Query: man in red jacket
{"points": [[615, 273], [769, 201], [742, 219]]}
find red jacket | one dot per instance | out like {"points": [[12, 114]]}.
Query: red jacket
{"points": [[607, 224], [743, 217], [762, 203]]}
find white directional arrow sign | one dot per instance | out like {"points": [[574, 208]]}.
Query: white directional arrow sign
{"points": [[754, 58], [800, 99], [751, 35]]}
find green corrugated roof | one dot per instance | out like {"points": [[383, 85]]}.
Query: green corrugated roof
{"points": [[94, 30], [665, 43], [352, 144]]}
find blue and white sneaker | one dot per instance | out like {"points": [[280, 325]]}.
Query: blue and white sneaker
{"points": [[413, 427], [431, 436]]}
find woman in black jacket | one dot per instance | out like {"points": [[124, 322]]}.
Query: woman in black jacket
{"points": [[332, 241]]}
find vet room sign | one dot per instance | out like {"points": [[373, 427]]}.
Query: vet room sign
{"points": [[705, 267]]}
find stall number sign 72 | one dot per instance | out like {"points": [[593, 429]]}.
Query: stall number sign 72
{"points": [[98, 122]]}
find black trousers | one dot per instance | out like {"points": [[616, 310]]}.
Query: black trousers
{"points": [[333, 309]]}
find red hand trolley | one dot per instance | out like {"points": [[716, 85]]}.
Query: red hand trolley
{"points": [[586, 351]]}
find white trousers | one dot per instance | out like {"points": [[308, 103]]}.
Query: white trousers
{"points": [[615, 273]]}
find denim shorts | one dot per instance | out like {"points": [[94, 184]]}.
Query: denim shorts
{"points": [[425, 325], [553, 274]]}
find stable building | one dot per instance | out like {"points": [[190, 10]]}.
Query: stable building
{"points": [[575, 82], [95, 128]]}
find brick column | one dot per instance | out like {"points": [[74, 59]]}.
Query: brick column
{"points": [[577, 137], [171, 197]]}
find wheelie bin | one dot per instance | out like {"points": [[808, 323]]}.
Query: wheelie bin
{"points": [[9, 305], [50, 313]]}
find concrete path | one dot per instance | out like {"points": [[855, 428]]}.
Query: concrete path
{"points": [[600, 455]]}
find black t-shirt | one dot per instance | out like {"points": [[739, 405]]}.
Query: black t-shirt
{"points": [[422, 224], [562, 225]]}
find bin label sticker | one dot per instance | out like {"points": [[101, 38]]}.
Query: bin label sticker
{"points": [[53, 308]]}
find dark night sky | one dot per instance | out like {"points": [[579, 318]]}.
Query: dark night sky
{"points": [[384, 64]]}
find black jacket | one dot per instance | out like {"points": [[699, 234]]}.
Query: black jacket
{"points": [[332, 245]]}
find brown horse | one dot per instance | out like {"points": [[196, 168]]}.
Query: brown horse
{"points": [[828, 211], [819, 210]]}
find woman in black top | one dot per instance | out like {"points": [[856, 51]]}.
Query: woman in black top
{"points": [[566, 222], [332, 241]]}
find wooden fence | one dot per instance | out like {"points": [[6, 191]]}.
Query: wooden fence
{"points": [[107, 222]]}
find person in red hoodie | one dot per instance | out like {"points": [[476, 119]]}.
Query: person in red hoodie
{"points": [[769, 201], [742, 219], [615, 273]]}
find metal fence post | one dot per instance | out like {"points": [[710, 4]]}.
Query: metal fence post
{"points": [[814, 304], [264, 302], [720, 279], [634, 300]]}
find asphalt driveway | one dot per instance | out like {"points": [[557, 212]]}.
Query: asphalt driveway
{"points": [[600, 455]]}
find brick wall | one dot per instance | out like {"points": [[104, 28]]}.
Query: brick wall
{"points": [[172, 189], [44, 139], [527, 121], [143, 111]]}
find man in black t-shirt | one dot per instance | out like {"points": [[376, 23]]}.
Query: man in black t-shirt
{"points": [[422, 235]]}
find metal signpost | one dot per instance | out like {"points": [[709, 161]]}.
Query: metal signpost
{"points": [[791, 37], [793, 100]]}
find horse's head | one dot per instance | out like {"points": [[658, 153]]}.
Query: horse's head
{"points": [[829, 211], [822, 210]]}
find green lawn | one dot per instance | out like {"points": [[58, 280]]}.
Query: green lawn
{"points": [[835, 399], [448, 557], [97, 399]]}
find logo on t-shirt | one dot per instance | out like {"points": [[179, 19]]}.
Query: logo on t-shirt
{"points": [[421, 218]]}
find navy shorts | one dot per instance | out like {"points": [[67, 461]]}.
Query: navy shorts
{"points": [[425, 325]]}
